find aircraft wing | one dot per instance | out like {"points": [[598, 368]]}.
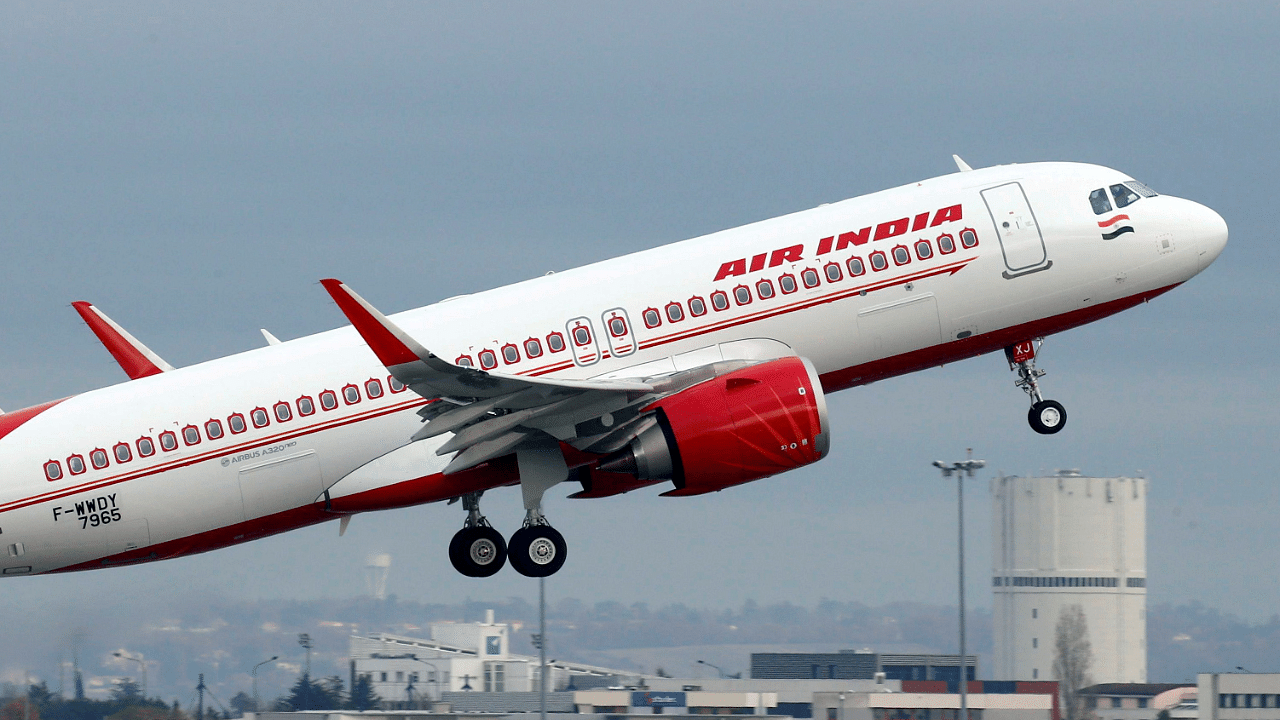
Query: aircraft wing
{"points": [[490, 414], [137, 360]]}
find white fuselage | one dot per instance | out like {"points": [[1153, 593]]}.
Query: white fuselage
{"points": [[884, 322]]}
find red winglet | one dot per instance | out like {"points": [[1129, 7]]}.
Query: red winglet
{"points": [[128, 352], [372, 325]]}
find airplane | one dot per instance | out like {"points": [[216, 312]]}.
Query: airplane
{"points": [[699, 365]]}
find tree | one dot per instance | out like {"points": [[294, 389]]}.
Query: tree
{"points": [[126, 692], [1072, 656], [242, 702], [308, 694], [362, 695]]}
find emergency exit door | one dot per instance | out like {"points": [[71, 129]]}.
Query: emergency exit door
{"points": [[1016, 226]]}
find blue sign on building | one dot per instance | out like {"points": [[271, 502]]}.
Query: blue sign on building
{"points": [[658, 699]]}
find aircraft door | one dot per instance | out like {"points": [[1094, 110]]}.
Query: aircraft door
{"points": [[1016, 226]]}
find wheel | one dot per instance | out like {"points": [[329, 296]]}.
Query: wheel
{"points": [[1047, 417], [537, 551], [477, 551]]}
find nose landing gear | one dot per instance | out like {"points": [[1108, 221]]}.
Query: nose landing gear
{"points": [[477, 550], [1045, 416]]}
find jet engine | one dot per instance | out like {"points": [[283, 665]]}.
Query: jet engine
{"points": [[744, 425]]}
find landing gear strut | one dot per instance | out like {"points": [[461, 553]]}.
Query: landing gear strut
{"points": [[1045, 416], [477, 550], [537, 549]]}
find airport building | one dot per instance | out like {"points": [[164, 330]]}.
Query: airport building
{"points": [[860, 665], [1239, 696], [1062, 541]]}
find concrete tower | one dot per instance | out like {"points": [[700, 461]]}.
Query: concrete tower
{"points": [[376, 568], [1070, 540]]}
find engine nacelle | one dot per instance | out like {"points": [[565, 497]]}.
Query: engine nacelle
{"points": [[745, 425]]}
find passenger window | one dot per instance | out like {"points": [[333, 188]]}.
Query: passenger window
{"points": [[810, 278], [533, 348], [168, 441], [720, 300], [373, 386], [742, 295], [582, 336], [878, 261], [306, 406], [764, 289], [52, 470], [968, 238], [555, 341], [697, 307], [213, 429], [351, 393], [833, 273], [900, 255], [397, 386], [99, 458], [464, 361], [283, 412], [788, 284], [617, 326], [259, 417], [122, 452], [191, 435], [924, 250], [488, 359], [75, 464], [328, 400], [510, 354], [1123, 195], [1100, 202], [855, 266], [651, 320], [675, 313], [146, 448], [946, 244], [236, 423]]}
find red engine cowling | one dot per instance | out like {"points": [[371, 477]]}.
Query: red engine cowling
{"points": [[747, 424]]}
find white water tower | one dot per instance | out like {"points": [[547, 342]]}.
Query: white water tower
{"points": [[376, 568], [1069, 540]]}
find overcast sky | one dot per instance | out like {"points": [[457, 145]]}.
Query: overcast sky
{"points": [[195, 168]]}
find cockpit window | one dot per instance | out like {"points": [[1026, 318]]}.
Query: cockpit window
{"points": [[1124, 196], [1101, 203], [1141, 188]]}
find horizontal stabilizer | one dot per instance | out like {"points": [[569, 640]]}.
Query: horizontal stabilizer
{"points": [[137, 360]]}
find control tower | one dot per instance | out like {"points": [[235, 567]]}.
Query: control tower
{"points": [[1069, 540]]}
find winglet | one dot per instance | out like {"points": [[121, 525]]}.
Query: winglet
{"points": [[271, 339], [388, 342], [137, 360], [964, 166]]}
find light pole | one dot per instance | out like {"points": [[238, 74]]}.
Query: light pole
{"points": [[718, 669], [142, 663], [257, 706], [434, 669], [960, 470]]}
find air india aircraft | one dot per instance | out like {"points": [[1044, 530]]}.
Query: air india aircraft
{"points": [[699, 365]]}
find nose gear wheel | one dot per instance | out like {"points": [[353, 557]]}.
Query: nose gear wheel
{"points": [[1045, 416]]}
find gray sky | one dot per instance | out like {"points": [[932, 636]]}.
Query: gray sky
{"points": [[194, 169]]}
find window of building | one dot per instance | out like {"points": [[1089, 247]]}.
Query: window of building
{"points": [[510, 354], [122, 452], [191, 435], [1142, 703], [924, 250], [1035, 673], [675, 313], [351, 393], [213, 429], [809, 277], [168, 440], [855, 266], [1035, 642], [383, 677], [1115, 702], [494, 677], [831, 713], [283, 412], [1034, 613], [878, 261], [946, 244], [98, 458], [901, 256], [53, 470], [75, 464], [328, 399], [833, 273], [968, 238], [236, 423], [533, 347], [399, 676], [555, 341], [788, 284], [398, 387], [260, 418], [720, 300], [306, 406], [697, 307], [651, 318], [742, 295]]}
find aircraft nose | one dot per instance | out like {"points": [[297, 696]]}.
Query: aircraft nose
{"points": [[1209, 230]]}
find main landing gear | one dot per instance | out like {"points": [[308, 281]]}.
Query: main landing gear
{"points": [[535, 550], [1045, 416]]}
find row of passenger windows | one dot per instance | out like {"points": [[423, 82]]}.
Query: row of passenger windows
{"points": [[1132, 582], [810, 277], [1124, 194], [213, 429]]}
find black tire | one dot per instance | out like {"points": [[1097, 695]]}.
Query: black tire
{"points": [[1047, 417], [478, 551], [537, 551]]}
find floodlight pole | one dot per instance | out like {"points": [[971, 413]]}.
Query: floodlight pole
{"points": [[257, 705], [142, 664], [960, 469]]}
